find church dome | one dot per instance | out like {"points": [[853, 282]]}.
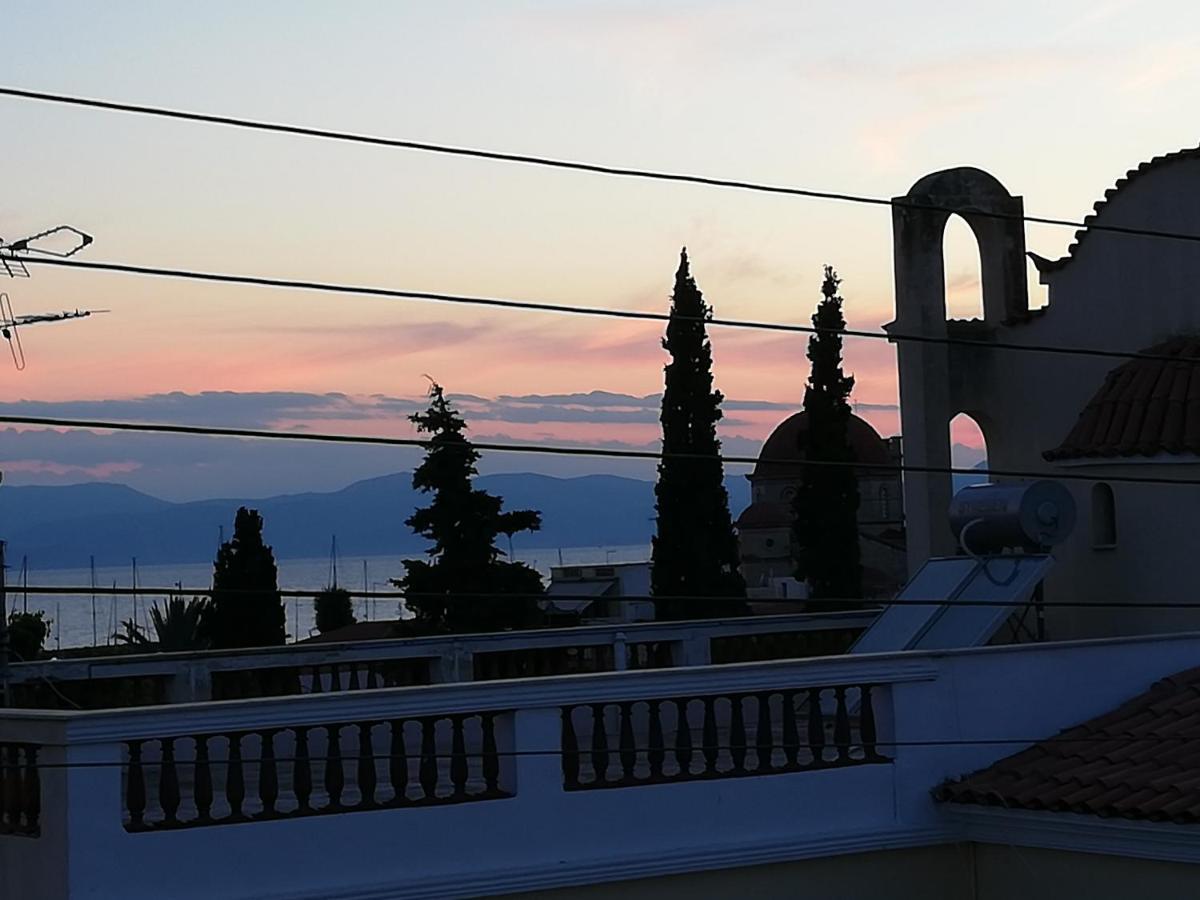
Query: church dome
{"points": [[782, 454]]}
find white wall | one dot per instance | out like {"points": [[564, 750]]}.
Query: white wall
{"points": [[544, 836]]}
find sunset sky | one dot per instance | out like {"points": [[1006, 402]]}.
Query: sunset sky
{"points": [[1057, 100]]}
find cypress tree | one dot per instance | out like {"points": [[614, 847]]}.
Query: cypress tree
{"points": [[463, 523], [826, 503], [695, 550], [246, 609]]}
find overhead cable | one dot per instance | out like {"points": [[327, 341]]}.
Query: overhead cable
{"points": [[564, 164]]}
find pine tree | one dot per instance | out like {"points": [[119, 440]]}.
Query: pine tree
{"points": [[826, 503], [334, 609], [452, 590], [695, 550], [246, 609]]}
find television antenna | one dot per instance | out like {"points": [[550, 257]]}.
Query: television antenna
{"points": [[60, 241]]}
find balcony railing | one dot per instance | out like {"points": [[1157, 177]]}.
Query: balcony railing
{"points": [[155, 679], [507, 786]]}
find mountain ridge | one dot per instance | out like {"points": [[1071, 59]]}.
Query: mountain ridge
{"points": [[61, 526]]}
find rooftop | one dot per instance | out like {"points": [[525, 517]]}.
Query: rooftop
{"points": [[1146, 407], [1140, 761]]}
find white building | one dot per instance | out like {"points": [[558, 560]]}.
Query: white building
{"points": [[1061, 415], [592, 593]]}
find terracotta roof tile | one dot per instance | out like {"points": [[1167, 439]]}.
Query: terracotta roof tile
{"points": [[1144, 408], [1139, 761]]}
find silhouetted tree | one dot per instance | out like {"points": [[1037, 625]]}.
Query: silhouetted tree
{"points": [[27, 634], [334, 609], [246, 609], [463, 524], [695, 550], [826, 503]]}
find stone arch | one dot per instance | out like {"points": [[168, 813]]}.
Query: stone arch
{"points": [[927, 401], [919, 224]]}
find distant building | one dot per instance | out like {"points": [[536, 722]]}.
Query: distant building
{"points": [[768, 552], [588, 593]]}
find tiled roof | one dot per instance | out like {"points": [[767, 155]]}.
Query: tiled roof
{"points": [[1145, 407], [1157, 162], [1140, 761]]}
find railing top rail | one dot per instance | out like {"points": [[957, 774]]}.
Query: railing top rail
{"points": [[431, 646], [883, 668]]}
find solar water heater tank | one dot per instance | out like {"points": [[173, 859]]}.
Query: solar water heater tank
{"points": [[1032, 515]]}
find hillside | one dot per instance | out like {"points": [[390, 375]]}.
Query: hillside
{"points": [[61, 526]]}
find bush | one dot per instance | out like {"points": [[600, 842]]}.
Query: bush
{"points": [[27, 634]]}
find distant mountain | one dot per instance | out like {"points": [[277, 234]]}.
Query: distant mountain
{"points": [[59, 527]]}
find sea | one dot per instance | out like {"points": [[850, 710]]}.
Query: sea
{"points": [[83, 620]]}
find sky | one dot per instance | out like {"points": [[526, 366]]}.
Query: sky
{"points": [[1056, 100]]}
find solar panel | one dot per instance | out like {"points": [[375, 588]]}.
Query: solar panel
{"points": [[1001, 584]]}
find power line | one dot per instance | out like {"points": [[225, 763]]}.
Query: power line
{"points": [[569, 309], [607, 452], [570, 165], [852, 604]]}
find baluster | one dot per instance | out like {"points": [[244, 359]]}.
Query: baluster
{"points": [[710, 750], [791, 735], [353, 677], [398, 764], [372, 675], [683, 738], [16, 793], [5, 782], [429, 763], [268, 774], [335, 678], [235, 781], [764, 743], [570, 749], [628, 749], [168, 783], [202, 779], [841, 726], [302, 771], [491, 756], [317, 687], [737, 734], [866, 723], [458, 757], [366, 764], [816, 727], [335, 777], [33, 791], [135, 789], [656, 753], [599, 743]]}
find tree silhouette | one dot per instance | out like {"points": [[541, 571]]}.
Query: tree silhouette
{"points": [[826, 503], [246, 609], [452, 591], [695, 551], [334, 609]]}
